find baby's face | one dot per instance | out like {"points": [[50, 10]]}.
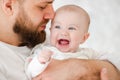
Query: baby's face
{"points": [[67, 31]]}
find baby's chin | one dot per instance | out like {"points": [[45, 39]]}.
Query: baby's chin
{"points": [[63, 49]]}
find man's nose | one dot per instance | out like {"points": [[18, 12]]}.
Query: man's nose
{"points": [[49, 14]]}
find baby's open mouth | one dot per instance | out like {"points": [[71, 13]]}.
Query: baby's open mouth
{"points": [[63, 41]]}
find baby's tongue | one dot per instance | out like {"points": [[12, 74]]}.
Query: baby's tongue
{"points": [[63, 42]]}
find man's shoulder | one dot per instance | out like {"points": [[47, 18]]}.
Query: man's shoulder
{"points": [[5, 52]]}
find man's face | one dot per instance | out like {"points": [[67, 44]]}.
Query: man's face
{"points": [[31, 21]]}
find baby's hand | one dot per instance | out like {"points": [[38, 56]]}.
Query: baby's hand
{"points": [[45, 56]]}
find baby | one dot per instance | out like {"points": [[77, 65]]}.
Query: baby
{"points": [[69, 29]]}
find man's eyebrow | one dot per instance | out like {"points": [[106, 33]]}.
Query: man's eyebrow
{"points": [[50, 1], [47, 1]]}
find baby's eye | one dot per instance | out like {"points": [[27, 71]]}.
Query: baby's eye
{"points": [[72, 28], [57, 27]]}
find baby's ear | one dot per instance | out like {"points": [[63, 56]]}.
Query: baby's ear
{"points": [[85, 37]]}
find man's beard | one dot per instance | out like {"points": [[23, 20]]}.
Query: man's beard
{"points": [[28, 36]]}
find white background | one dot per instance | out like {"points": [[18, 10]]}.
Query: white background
{"points": [[105, 23]]}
